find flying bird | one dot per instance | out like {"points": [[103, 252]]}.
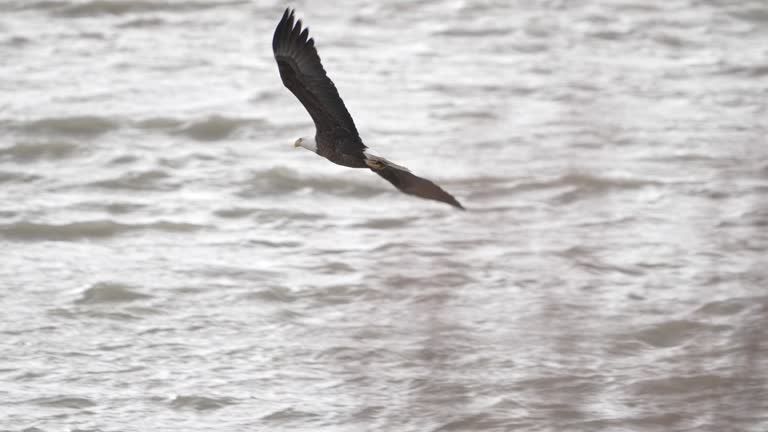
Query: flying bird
{"points": [[336, 137]]}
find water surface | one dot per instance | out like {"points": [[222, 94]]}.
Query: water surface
{"points": [[168, 261]]}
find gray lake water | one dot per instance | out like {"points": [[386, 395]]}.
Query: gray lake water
{"points": [[169, 262]]}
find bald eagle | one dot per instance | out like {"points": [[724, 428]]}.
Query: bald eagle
{"points": [[336, 137]]}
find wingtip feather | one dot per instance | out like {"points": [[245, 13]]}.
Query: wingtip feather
{"points": [[304, 35], [296, 31], [280, 30]]}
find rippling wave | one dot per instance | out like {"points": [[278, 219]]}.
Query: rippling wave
{"points": [[216, 127], [34, 151], [200, 403], [211, 128], [144, 180], [280, 180], [79, 9], [85, 126], [106, 292], [84, 230]]}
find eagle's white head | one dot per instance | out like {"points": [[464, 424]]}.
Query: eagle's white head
{"points": [[306, 142]]}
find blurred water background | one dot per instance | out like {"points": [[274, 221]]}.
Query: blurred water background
{"points": [[169, 262]]}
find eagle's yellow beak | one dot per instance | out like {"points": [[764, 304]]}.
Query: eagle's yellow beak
{"points": [[297, 143]]}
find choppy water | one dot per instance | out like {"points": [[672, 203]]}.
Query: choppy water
{"points": [[169, 262]]}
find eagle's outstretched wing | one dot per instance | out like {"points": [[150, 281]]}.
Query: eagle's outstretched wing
{"points": [[303, 74], [407, 182]]}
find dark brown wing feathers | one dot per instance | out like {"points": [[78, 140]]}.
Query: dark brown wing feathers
{"points": [[303, 74], [409, 183]]}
